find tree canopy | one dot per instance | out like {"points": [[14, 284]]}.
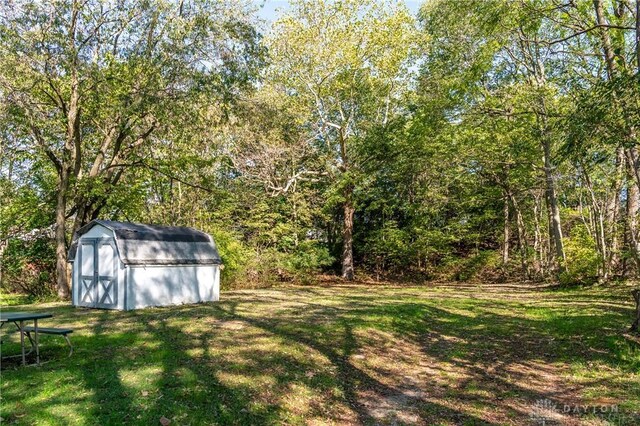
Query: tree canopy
{"points": [[475, 139]]}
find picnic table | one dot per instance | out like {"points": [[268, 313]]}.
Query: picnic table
{"points": [[19, 318]]}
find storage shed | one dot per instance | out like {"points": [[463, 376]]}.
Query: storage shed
{"points": [[122, 265]]}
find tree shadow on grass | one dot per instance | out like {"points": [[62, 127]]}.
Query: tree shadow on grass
{"points": [[108, 372], [193, 352], [89, 368], [505, 355], [189, 389], [239, 361], [101, 374], [353, 381]]}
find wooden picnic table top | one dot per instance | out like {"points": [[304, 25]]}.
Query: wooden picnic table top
{"points": [[23, 316]]}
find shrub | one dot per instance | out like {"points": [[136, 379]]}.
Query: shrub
{"points": [[247, 267], [29, 268], [482, 264], [235, 257], [308, 258], [582, 258]]}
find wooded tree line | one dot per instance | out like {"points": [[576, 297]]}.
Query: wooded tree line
{"points": [[485, 139]]}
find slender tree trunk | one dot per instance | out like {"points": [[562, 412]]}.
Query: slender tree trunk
{"points": [[538, 264], [599, 228], [601, 241], [607, 48], [506, 232], [587, 220], [3, 246], [552, 205], [347, 235], [638, 36]]}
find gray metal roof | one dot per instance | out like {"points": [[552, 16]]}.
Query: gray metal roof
{"points": [[140, 244]]}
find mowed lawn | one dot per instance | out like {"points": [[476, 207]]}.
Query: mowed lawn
{"points": [[448, 354]]}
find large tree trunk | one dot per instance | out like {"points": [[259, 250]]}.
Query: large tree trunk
{"points": [[347, 235], [69, 163], [634, 162], [348, 210], [555, 227], [630, 155], [60, 236]]}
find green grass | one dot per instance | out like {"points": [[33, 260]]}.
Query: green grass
{"points": [[335, 355], [12, 299]]}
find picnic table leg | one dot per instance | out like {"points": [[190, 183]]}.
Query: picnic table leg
{"points": [[35, 326], [24, 359]]}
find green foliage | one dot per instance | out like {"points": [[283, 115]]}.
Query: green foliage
{"points": [[12, 299], [246, 267], [25, 207], [234, 254], [482, 265], [389, 247], [29, 268], [307, 259], [583, 260], [450, 136]]}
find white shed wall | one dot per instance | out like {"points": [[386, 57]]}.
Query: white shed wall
{"points": [[172, 285]]}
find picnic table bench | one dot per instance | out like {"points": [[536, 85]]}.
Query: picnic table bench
{"points": [[19, 318], [64, 332]]}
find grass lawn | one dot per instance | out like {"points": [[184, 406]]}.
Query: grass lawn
{"points": [[469, 354]]}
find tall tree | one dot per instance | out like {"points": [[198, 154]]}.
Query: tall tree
{"points": [[93, 85], [345, 62]]}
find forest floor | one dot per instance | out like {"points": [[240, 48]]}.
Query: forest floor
{"points": [[339, 354]]}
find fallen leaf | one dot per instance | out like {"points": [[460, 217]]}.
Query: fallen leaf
{"points": [[164, 421], [145, 393]]}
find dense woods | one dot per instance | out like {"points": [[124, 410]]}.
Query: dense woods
{"points": [[477, 139]]}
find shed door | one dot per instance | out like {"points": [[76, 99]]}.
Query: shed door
{"points": [[98, 286]]}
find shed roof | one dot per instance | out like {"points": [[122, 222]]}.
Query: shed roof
{"points": [[141, 244]]}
